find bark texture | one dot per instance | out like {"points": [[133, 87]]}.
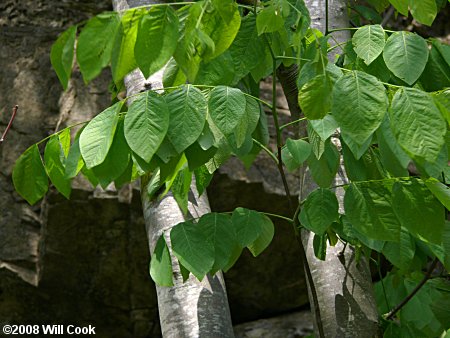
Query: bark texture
{"points": [[344, 287], [192, 308]]}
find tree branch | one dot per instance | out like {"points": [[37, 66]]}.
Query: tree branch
{"points": [[13, 116], [413, 292]]}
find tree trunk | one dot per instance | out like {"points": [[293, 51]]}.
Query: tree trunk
{"points": [[192, 308], [343, 286]]}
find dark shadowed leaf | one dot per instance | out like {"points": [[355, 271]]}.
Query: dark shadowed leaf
{"points": [[324, 170], [418, 210], [62, 53], [192, 248], [219, 230]]}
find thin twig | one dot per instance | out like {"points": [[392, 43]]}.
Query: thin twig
{"points": [[288, 195], [13, 116], [413, 293], [388, 16]]}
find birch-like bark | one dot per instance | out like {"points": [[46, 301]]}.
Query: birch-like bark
{"points": [[192, 308], [344, 286]]}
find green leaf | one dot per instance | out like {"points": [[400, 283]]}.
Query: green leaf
{"points": [[401, 253], [129, 175], [97, 137], [393, 157], [226, 107], [368, 42], [359, 105], [248, 225], [180, 188], [406, 55], [377, 68], [249, 121], [117, 159], [368, 207], [436, 75], [89, 175], [320, 246], [222, 25], [196, 156], [401, 6], [29, 176], [442, 101], [202, 179], [358, 150], [418, 210], [61, 55], [324, 170], [363, 169], [315, 97], [192, 248], [161, 264], [74, 161], [55, 168], [173, 75], [208, 33], [122, 58], [64, 140], [319, 211], [265, 237], [423, 11], [218, 71], [95, 44], [324, 127], [247, 47], [295, 153], [318, 145], [440, 191], [187, 108], [417, 124], [220, 232], [169, 171], [269, 20], [146, 124], [185, 273], [157, 39]]}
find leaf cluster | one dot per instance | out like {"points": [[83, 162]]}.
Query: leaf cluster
{"points": [[381, 109]]}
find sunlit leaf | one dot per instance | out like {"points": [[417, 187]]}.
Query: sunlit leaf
{"points": [[29, 176], [146, 124]]}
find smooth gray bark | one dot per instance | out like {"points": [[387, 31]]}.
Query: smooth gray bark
{"points": [[343, 285], [192, 308]]}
